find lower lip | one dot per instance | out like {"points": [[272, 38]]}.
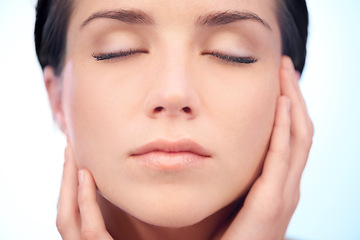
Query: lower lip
{"points": [[170, 161]]}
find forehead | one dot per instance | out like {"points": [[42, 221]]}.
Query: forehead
{"points": [[173, 12], [178, 16]]}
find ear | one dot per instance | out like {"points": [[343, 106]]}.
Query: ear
{"points": [[53, 88]]}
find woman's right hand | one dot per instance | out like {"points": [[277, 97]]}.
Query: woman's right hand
{"points": [[79, 215]]}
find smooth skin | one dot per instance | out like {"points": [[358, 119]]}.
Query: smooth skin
{"points": [[109, 108], [269, 204]]}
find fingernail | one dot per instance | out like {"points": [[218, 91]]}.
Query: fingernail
{"points": [[289, 64], [288, 104], [81, 176], [66, 154]]}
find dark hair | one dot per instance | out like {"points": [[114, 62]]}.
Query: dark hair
{"points": [[293, 20], [52, 19]]}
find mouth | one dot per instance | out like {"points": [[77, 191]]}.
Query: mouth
{"points": [[171, 155]]}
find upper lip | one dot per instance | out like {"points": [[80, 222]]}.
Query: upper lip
{"points": [[162, 145]]}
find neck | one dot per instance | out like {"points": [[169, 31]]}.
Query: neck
{"points": [[122, 225]]}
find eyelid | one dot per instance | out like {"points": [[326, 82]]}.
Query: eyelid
{"points": [[231, 58], [117, 54], [222, 56]]}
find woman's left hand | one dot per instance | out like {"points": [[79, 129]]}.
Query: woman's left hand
{"points": [[274, 196]]}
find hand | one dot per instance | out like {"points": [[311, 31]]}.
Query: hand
{"points": [[274, 196], [79, 215]]}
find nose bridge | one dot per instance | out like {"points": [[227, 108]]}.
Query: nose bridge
{"points": [[172, 93], [174, 77]]}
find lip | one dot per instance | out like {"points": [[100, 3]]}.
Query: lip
{"points": [[171, 155]]}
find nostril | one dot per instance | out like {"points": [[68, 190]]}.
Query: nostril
{"points": [[187, 109], [158, 109]]}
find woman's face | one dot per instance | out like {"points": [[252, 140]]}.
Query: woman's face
{"points": [[178, 128]]}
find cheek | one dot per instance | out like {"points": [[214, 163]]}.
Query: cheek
{"points": [[244, 118], [244, 104], [97, 111]]}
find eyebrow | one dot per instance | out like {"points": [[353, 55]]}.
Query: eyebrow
{"points": [[209, 20], [227, 17], [126, 16]]}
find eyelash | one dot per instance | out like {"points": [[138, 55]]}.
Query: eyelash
{"points": [[119, 54], [232, 59], [221, 56]]}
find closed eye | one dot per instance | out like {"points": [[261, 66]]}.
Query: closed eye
{"points": [[119, 54], [232, 59], [222, 56]]}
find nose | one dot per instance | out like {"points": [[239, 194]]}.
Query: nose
{"points": [[172, 94]]}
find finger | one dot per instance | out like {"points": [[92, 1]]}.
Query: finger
{"points": [[296, 85], [276, 164], [67, 220], [92, 223], [290, 86], [295, 81], [301, 125]]}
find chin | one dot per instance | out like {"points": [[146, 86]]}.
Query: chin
{"points": [[175, 218], [172, 211]]}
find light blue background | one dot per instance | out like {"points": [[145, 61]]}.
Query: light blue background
{"points": [[31, 148]]}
